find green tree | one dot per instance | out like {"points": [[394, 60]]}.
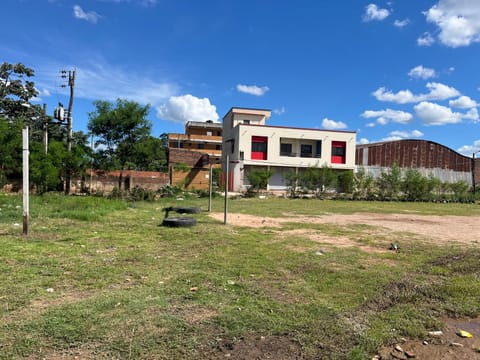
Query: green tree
{"points": [[292, 178], [16, 90], [318, 179], [259, 178], [389, 182], [415, 186], [460, 190], [119, 128], [149, 154], [346, 181], [363, 184], [10, 150]]}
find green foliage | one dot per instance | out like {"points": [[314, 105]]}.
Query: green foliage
{"points": [[149, 154], [318, 179], [124, 132], [259, 178], [363, 185], [389, 183], [346, 181], [15, 89], [415, 186], [292, 179], [182, 167], [46, 171], [460, 190]]}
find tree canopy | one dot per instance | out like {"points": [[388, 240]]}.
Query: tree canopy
{"points": [[123, 138], [16, 111]]}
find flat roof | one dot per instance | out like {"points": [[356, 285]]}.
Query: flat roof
{"points": [[298, 128]]}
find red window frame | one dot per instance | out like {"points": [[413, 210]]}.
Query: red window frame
{"points": [[339, 151], [262, 143]]}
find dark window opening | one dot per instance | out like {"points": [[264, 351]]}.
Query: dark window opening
{"points": [[286, 150], [306, 150]]}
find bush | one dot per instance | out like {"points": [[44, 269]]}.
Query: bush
{"points": [[259, 178]]}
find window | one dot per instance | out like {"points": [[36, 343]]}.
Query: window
{"points": [[306, 150], [318, 149], [286, 150], [201, 146], [242, 155], [218, 147], [259, 147], [209, 133], [339, 152], [246, 122]]}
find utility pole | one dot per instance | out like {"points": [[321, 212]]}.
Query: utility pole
{"points": [[71, 85]]}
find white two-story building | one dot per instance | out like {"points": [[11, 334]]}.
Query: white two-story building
{"points": [[249, 143]]}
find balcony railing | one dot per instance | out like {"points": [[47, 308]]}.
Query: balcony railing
{"points": [[303, 155]]}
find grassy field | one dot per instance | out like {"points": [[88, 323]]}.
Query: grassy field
{"points": [[100, 279]]}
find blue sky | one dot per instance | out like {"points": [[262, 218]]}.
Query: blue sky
{"points": [[386, 69]]}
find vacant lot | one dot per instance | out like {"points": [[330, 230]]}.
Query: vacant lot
{"points": [[284, 279]]}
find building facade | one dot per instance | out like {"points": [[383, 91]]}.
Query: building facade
{"points": [[249, 143], [428, 157], [190, 155]]}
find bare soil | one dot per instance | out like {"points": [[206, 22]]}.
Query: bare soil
{"points": [[440, 230], [443, 230]]}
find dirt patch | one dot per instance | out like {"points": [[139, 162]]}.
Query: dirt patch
{"points": [[443, 230], [337, 241], [261, 347], [447, 346]]}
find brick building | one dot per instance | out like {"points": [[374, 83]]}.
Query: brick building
{"points": [[190, 155]]}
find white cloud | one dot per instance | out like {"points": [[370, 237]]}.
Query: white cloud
{"points": [[401, 23], [434, 114], [425, 40], [420, 72], [468, 150], [280, 111], [333, 125], [252, 89], [457, 20], [437, 92], [90, 16], [363, 141], [374, 13], [463, 102], [472, 114], [370, 125], [398, 135], [388, 115], [185, 108]]}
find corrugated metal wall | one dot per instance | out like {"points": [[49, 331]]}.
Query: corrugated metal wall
{"points": [[428, 157]]}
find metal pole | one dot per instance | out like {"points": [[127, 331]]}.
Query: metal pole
{"points": [[473, 176], [26, 185], [210, 190], [45, 128], [225, 211], [91, 167]]}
